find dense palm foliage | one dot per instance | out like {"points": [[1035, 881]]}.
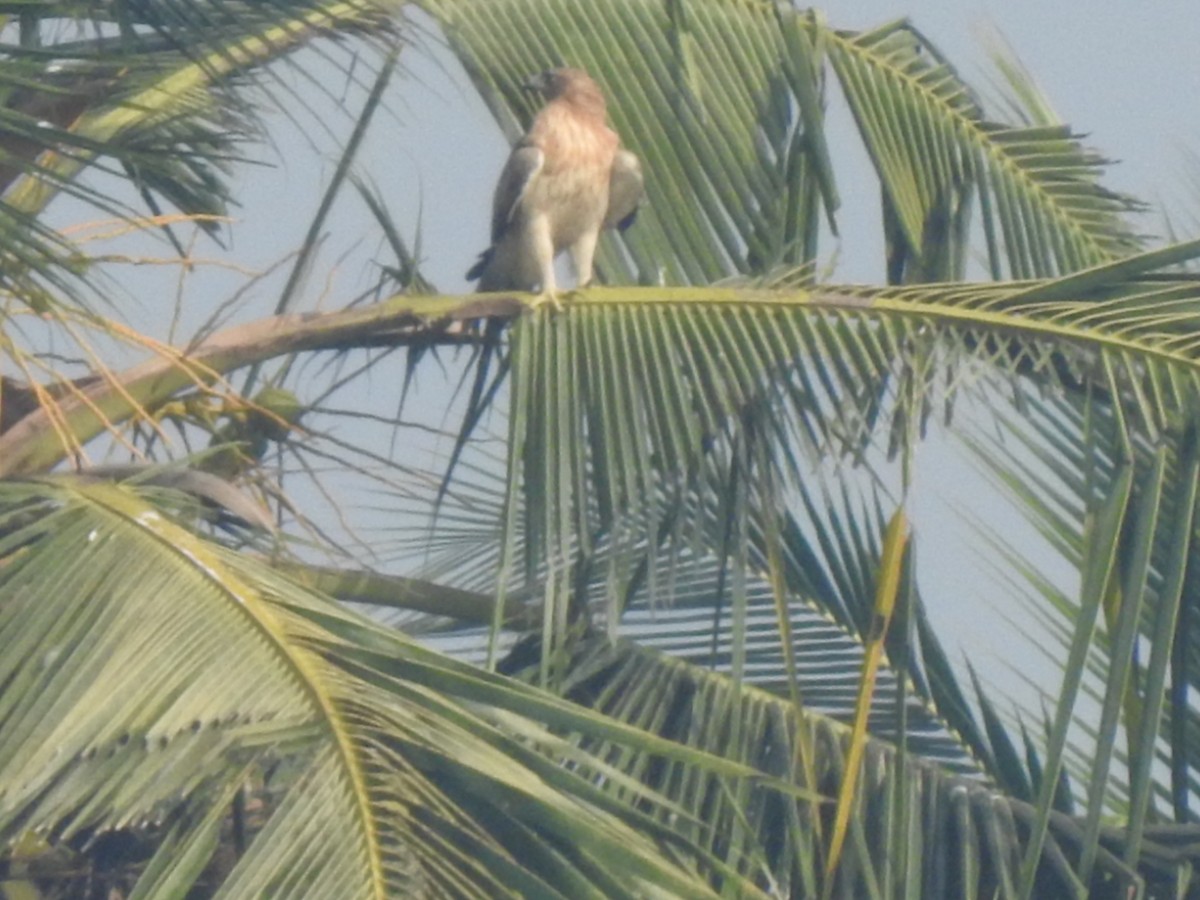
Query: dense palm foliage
{"points": [[665, 635]]}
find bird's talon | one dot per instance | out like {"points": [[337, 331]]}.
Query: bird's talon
{"points": [[547, 297]]}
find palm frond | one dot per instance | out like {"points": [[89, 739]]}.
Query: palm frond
{"points": [[914, 830], [158, 666], [808, 363], [679, 597], [149, 99], [1044, 211], [1147, 614]]}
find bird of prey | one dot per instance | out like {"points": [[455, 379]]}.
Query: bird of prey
{"points": [[565, 181]]}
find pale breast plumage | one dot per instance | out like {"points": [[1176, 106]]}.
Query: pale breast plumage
{"points": [[554, 192]]}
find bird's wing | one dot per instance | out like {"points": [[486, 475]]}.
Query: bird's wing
{"points": [[522, 168], [625, 188]]}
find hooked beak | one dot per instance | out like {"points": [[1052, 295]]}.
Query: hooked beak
{"points": [[536, 84]]}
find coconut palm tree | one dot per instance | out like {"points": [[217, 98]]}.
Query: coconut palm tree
{"points": [[665, 636]]}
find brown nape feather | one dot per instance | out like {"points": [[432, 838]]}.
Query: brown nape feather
{"points": [[576, 87]]}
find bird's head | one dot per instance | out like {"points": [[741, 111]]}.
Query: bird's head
{"points": [[573, 85]]}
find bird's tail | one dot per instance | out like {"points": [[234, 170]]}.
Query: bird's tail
{"points": [[476, 271]]}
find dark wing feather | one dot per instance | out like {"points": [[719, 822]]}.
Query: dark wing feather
{"points": [[519, 172], [476, 271], [626, 186]]}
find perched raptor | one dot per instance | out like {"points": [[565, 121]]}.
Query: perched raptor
{"points": [[565, 181]]}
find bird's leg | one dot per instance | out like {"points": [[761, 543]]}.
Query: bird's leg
{"points": [[583, 253], [543, 249]]}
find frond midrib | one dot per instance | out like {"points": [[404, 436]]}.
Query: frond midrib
{"points": [[206, 564], [952, 305]]}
